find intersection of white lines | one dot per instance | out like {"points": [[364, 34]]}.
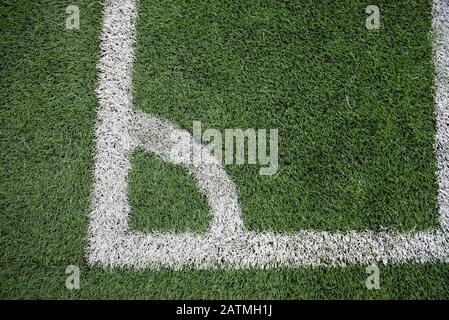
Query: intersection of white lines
{"points": [[120, 129]]}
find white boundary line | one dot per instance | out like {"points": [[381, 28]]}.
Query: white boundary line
{"points": [[120, 129]]}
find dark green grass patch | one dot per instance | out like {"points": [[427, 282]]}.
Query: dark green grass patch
{"points": [[164, 198], [47, 112], [405, 282], [354, 108]]}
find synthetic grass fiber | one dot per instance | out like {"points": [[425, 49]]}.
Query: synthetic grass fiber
{"points": [[354, 109]]}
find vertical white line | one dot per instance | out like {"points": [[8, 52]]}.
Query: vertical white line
{"points": [[114, 143], [441, 54]]}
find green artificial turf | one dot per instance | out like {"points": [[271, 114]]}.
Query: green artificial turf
{"points": [[363, 164], [354, 108], [164, 198]]}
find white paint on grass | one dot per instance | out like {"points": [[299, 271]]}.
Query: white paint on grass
{"points": [[120, 129], [440, 26]]}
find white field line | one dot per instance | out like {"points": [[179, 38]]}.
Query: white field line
{"points": [[120, 129], [440, 26]]}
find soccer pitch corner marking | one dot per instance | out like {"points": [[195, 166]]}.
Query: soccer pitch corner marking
{"points": [[120, 129]]}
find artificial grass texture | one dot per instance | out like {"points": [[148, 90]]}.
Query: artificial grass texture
{"points": [[354, 108], [164, 198], [47, 112]]}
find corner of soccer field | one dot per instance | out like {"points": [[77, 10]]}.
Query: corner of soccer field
{"points": [[354, 110]]}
